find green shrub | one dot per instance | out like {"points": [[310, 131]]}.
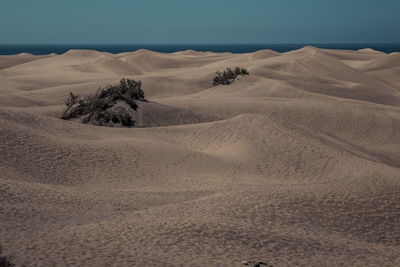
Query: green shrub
{"points": [[4, 260], [112, 105], [228, 76]]}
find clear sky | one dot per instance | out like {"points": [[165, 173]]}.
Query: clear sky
{"points": [[198, 21]]}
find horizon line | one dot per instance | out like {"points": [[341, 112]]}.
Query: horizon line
{"points": [[316, 43]]}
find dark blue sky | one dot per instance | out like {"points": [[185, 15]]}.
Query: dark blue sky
{"points": [[198, 21]]}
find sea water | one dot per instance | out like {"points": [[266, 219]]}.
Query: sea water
{"points": [[170, 48]]}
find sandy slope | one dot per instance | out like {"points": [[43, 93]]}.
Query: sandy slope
{"points": [[296, 164]]}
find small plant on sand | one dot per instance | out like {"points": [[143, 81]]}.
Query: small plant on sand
{"points": [[228, 76], [114, 105], [4, 260]]}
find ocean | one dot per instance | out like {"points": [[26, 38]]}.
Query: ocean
{"points": [[170, 48]]}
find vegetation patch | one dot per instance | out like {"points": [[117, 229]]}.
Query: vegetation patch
{"points": [[4, 260], [228, 76], [111, 106]]}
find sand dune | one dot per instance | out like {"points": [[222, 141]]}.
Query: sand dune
{"points": [[13, 60], [296, 164]]}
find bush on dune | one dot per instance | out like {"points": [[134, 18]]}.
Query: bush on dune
{"points": [[228, 76], [111, 106], [4, 260]]}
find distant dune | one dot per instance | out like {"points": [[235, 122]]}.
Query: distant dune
{"points": [[297, 163]]}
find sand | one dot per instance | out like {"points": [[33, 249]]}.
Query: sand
{"points": [[296, 164]]}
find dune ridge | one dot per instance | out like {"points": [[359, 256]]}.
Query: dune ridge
{"points": [[296, 164]]}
